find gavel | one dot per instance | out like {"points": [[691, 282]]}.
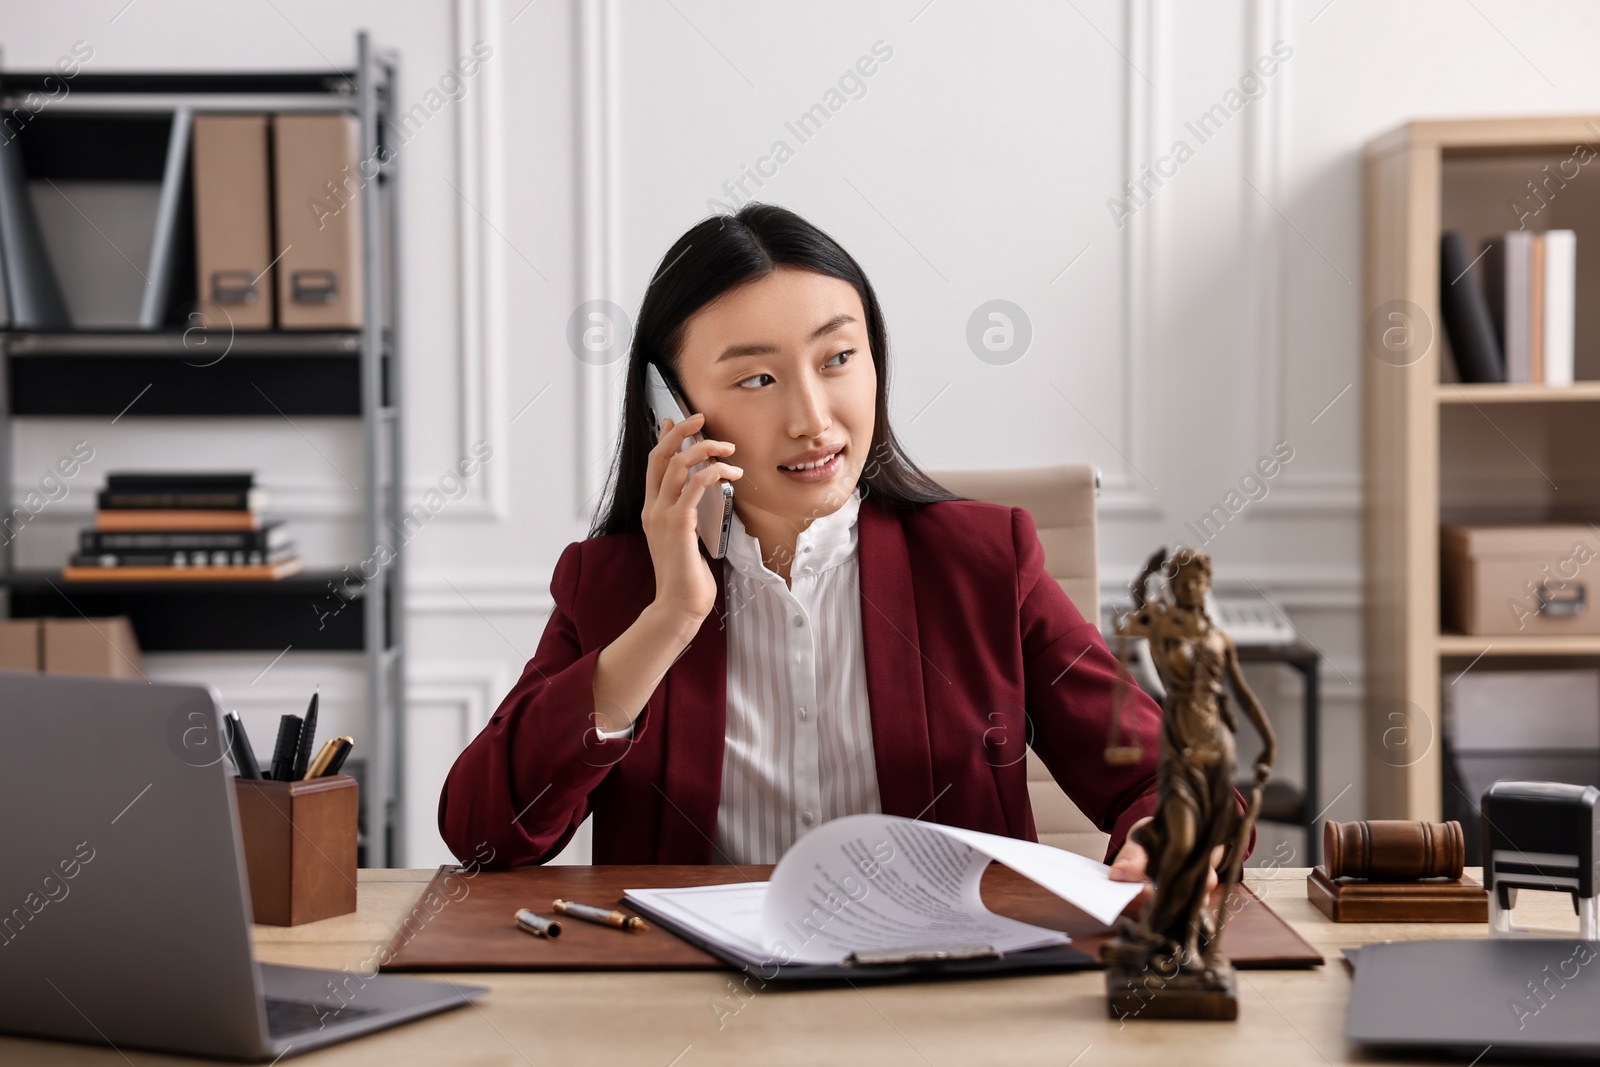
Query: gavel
{"points": [[1393, 850]]}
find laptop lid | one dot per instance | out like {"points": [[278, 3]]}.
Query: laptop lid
{"points": [[124, 910], [1499, 996]]}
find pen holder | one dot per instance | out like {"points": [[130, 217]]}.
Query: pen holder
{"points": [[299, 847]]}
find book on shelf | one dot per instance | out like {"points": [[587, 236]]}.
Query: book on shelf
{"points": [[1560, 305], [159, 519], [1465, 308], [230, 573], [270, 537], [182, 499], [183, 491], [130, 480], [196, 558], [1530, 283]]}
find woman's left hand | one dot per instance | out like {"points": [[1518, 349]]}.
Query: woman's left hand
{"points": [[1132, 860]]}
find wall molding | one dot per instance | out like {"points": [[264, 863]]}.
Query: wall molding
{"points": [[1125, 502], [1261, 236], [598, 189], [1292, 585], [601, 387], [467, 691], [473, 687], [1314, 495], [458, 592], [435, 592], [1124, 496], [480, 281]]}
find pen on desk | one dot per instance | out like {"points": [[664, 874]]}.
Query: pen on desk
{"points": [[337, 760], [243, 756], [283, 752], [319, 764], [603, 916], [308, 732], [537, 925]]}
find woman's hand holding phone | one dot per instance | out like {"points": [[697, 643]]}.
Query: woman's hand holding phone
{"points": [[685, 586], [629, 669]]}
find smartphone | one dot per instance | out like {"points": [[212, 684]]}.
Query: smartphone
{"points": [[715, 519]]}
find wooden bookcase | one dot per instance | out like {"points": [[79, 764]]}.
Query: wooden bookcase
{"points": [[1437, 450]]}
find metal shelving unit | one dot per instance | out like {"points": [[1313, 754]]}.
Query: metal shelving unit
{"points": [[341, 374]]}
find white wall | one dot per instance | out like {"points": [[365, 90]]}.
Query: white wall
{"points": [[1223, 317]]}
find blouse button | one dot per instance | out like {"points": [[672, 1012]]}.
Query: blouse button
{"points": [[803, 714], [799, 620], [807, 817]]}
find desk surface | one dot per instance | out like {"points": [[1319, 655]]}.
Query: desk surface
{"points": [[688, 1018]]}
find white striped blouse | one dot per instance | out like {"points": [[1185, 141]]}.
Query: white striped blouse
{"points": [[798, 742], [797, 748]]}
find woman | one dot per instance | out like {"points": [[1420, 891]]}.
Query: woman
{"points": [[869, 643]]}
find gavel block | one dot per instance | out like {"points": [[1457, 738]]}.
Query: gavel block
{"points": [[1395, 870]]}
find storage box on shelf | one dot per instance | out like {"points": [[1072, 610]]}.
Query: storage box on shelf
{"points": [[104, 648], [1510, 579]]}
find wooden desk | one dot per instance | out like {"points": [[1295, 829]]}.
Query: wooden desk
{"points": [[686, 1019]]}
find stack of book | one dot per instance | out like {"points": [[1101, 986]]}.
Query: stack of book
{"points": [[182, 525], [1509, 312]]}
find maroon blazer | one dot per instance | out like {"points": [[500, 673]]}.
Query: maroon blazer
{"points": [[972, 651]]}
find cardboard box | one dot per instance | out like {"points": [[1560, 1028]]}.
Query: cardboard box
{"points": [[233, 221], [105, 648], [1500, 579], [19, 644], [318, 192]]}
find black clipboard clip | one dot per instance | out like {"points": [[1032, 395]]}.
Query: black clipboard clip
{"points": [[932, 954]]}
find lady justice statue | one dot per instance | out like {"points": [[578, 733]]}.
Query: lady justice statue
{"points": [[1166, 964]]}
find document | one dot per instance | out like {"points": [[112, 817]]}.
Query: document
{"points": [[876, 883]]}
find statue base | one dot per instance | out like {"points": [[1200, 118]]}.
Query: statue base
{"points": [[1140, 992]]}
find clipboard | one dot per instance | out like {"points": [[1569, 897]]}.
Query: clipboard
{"points": [[948, 961]]}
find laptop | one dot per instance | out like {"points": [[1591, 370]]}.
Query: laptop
{"points": [[124, 903], [1532, 998]]}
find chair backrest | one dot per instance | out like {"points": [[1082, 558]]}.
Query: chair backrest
{"points": [[1062, 503]]}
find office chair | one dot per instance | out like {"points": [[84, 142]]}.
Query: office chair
{"points": [[1062, 503]]}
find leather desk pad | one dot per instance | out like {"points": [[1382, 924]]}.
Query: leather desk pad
{"points": [[463, 921]]}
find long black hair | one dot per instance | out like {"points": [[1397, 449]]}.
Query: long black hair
{"points": [[716, 255]]}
